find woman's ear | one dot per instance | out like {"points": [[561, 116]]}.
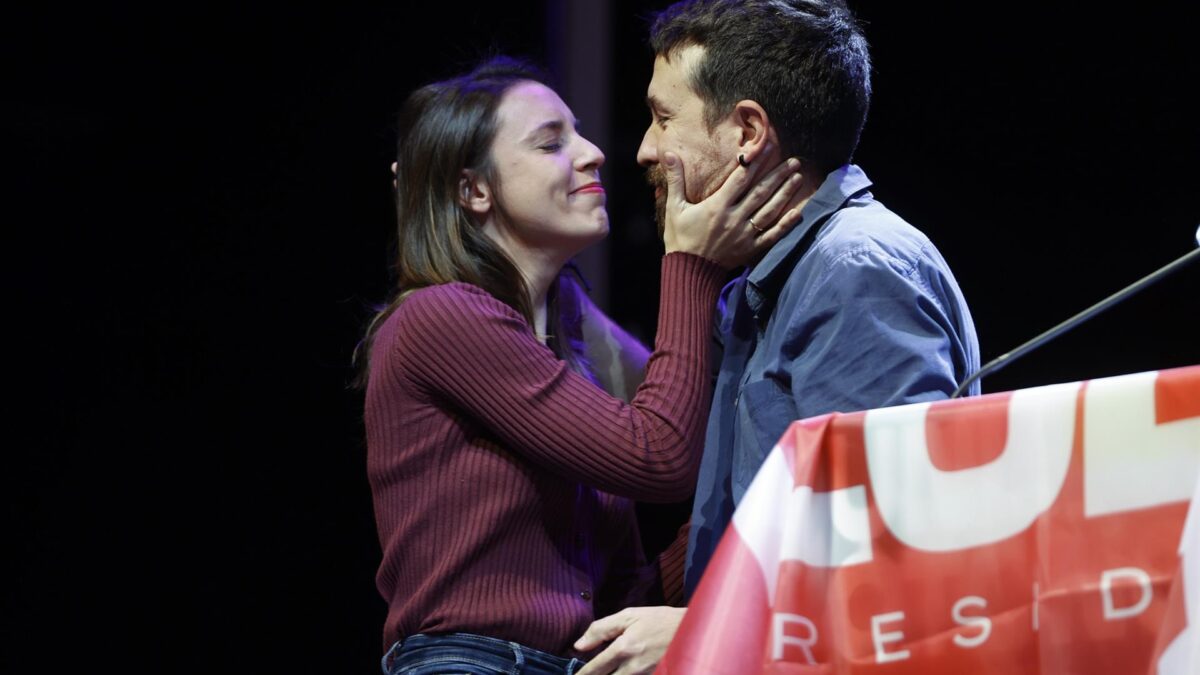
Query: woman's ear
{"points": [[474, 193], [754, 129]]}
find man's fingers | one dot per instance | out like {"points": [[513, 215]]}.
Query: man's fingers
{"points": [[603, 663], [603, 630]]}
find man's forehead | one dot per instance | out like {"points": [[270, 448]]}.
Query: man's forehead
{"points": [[672, 74]]}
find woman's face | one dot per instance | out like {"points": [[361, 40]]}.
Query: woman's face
{"points": [[548, 175]]}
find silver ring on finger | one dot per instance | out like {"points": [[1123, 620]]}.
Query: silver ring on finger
{"points": [[757, 229]]}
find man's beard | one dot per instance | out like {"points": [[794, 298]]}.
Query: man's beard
{"points": [[656, 176]]}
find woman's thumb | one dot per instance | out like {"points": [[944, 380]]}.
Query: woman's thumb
{"points": [[674, 173]]}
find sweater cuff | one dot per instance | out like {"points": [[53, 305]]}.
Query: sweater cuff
{"points": [[684, 273]]}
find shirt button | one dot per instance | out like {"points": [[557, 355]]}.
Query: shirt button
{"points": [[586, 595]]}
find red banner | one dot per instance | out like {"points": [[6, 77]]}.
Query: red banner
{"points": [[1036, 531]]}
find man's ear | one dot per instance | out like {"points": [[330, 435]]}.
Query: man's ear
{"points": [[474, 193], [754, 129]]}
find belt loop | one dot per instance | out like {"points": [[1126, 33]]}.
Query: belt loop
{"points": [[518, 657], [386, 662]]}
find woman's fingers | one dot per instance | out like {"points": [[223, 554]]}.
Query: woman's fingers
{"points": [[741, 178], [676, 195], [743, 217], [767, 190], [777, 230], [777, 201]]}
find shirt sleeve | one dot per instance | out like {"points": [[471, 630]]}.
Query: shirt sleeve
{"points": [[467, 350]]}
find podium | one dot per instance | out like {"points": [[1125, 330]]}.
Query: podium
{"points": [[1034, 531]]}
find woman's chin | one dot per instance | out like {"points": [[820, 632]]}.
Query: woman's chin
{"points": [[599, 233]]}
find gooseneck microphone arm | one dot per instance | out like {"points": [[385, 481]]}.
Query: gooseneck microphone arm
{"points": [[1007, 358]]}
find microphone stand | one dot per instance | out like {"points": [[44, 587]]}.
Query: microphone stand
{"points": [[1007, 358]]}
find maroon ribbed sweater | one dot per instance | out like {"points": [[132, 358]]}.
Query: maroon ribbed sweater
{"points": [[494, 467]]}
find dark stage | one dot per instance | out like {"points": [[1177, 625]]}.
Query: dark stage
{"points": [[202, 226]]}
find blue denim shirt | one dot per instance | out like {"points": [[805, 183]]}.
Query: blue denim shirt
{"points": [[867, 316]]}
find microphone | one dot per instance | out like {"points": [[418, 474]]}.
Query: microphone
{"points": [[1008, 357]]}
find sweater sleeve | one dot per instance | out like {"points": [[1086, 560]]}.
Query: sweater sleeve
{"points": [[671, 564], [462, 347]]}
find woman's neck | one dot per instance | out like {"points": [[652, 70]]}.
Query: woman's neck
{"points": [[538, 279], [539, 318], [539, 269]]}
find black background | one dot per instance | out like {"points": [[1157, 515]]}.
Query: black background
{"points": [[199, 222]]}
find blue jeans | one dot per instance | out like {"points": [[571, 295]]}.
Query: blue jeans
{"points": [[471, 655]]}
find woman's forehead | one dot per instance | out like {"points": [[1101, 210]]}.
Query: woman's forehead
{"points": [[530, 106]]}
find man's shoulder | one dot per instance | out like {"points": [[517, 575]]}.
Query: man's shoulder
{"points": [[868, 229]]}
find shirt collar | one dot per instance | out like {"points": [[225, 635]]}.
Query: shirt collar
{"points": [[765, 280]]}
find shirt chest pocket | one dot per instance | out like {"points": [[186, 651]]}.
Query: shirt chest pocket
{"points": [[765, 409]]}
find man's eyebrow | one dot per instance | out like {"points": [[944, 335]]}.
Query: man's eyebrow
{"points": [[656, 106]]}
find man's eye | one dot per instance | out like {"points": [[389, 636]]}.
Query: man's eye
{"points": [[662, 121], [554, 146]]}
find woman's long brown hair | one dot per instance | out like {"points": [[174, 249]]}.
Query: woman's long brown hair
{"points": [[443, 129]]}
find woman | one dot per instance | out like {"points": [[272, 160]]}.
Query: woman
{"points": [[501, 473]]}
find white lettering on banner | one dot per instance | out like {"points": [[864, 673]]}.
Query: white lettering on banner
{"points": [[1129, 461], [935, 510], [828, 529], [1035, 607], [780, 639], [983, 623], [880, 638], [1111, 611], [772, 485], [821, 529]]}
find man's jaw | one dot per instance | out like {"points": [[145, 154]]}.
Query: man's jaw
{"points": [[656, 176]]}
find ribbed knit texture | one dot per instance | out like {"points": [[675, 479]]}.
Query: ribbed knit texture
{"points": [[494, 467], [672, 563]]}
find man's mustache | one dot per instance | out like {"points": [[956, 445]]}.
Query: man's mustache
{"points": [[656, 176]]}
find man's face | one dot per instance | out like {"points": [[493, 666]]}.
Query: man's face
{"points": [[677, 125]]}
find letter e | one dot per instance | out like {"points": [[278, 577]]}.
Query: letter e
{"points": [[880, 638]]}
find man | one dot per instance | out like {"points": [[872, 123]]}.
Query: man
{"points": [[854, 309]]}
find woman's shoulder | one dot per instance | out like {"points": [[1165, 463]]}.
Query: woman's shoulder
{"points": [[446, 310], [455, 321]]}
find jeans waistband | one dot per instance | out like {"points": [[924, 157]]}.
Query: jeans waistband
{"points": [[504, 655]]}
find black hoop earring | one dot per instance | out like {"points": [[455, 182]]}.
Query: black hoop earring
{"points": [[742, 161]]}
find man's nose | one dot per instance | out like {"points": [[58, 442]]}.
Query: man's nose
{"points": [[647, 154]]}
